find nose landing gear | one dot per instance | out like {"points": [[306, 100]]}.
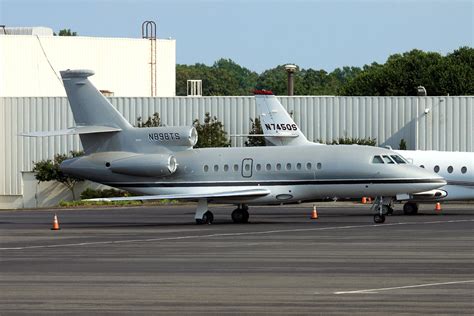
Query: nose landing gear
{"points": [[382, 206]]}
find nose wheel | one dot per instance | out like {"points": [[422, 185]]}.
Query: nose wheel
{"points": [[379, 219], [382, 206]]}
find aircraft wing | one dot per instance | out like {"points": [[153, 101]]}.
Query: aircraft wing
{"points": [[195, 196], [73, 131]]}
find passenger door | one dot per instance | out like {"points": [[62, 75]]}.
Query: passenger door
{"points": [[247, 165]]}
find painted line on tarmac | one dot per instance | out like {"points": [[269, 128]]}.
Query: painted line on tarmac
{"points": [[230, 234], [371, 291]]}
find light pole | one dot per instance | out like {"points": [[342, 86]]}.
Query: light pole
{"points": [[290, 70]]}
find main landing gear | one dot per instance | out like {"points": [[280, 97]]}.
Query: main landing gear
{"points": [[241, 214], [410, 208], [203, 215], [382, 206]]}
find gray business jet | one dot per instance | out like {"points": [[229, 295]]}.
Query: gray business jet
{"points": [[160, 162]]}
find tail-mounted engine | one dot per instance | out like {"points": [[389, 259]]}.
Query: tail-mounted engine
{"points": [[150, 165]]}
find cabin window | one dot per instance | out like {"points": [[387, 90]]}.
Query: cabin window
{"points": [[226, 168], [288, 166], [268, 167], [387, 159], [308, 166], [206, 168], [319, 166], [436, 169], [298, 166], [463, 169], [247, 167], [216, 168], [236, 167], [398, 159], [450, 169], [278, 167], [421, 166], [377, 159], [258, 167]]}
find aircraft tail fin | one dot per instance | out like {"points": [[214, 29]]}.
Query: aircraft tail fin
{"points": [[88, 105], [278, 127], [98, 122]]}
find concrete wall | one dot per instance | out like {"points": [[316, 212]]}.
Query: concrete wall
{"points": [[446, 125]]}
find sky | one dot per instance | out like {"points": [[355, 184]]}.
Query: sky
{"points": [[262, 34]]}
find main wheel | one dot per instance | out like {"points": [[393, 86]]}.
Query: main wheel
{"points": [[240, 216], [379, 219], [410, 208], [207, 218]]}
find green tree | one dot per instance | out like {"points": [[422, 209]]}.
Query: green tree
{"points": [[402, 73], [211, 133], [152, 121], [256, 129], [224, 77], [48, 170], [66, 32]]}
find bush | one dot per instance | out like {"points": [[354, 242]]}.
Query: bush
{"points": [[358, 141], [107, 193]]}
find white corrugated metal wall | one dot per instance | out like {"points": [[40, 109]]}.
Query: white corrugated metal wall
{"points": [[447, 126]]}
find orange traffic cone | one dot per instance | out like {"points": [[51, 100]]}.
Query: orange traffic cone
{"points": [[438, 207], [314, 213], [55, 223], [364, 200]]}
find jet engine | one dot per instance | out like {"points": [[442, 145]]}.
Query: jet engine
{"points": [[150, 165], [171, 135]]}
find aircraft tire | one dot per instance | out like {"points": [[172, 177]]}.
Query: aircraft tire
{"points": [[379, 219], [207, 218], [240, 216], [410, 208]]}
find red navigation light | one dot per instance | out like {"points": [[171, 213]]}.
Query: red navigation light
{"points": [[264, 92]]}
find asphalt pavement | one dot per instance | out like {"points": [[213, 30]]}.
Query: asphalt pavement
{"points": [[155, 260]]}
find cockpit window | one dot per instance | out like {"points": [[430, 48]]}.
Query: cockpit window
{"points": [[398, 159], [387, 159], [377, 159]]}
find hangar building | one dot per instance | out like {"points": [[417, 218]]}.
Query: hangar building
{"points": [[31, 58]]}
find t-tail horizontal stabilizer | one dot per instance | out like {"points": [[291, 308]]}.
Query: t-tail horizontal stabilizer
{"points": [[78, 130]]}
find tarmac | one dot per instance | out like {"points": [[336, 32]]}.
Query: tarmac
{"points": [[155, 260]]}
